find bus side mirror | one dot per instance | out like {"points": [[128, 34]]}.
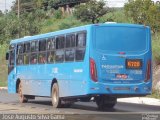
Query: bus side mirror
{"points": [[7, 56]]}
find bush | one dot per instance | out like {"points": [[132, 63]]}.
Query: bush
{"points": [[3, 65], [65, 26], [156, 48], [91, 11], [58, 14]]}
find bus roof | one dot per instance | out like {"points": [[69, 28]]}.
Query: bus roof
{"points": [[75, 29]]}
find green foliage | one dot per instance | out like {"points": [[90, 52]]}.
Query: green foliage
{"points": [[29, 22], [61, 3], [70, 22], [65, 26], [156, 48], [12, 27], [91, 11], [1, 13], [8, 27], [116, 15], [58, 14], [26, 5], [155, 94], [53, 3], [3, 65], [144, 12], [66, 22]]}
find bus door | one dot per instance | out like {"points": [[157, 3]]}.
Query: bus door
{"points": [[12, 69]]}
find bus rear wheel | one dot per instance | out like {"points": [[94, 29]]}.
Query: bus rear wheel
{"points": [[105, 102], [56, 101], [22, 98]]}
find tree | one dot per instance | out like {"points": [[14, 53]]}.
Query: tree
{"points": [[144, 12], [61, 3], [27, 5], [1, 13], [91, 11], [29, 22]]}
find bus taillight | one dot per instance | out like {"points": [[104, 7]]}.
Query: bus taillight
{"points": [[93, 70], [148, 71]]}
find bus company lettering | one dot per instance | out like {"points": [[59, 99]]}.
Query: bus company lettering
{"points": [[104, 58], [55, 70], [137, 72], [112, 66]]}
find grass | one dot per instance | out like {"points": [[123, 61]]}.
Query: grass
{"points": [[116, 16], [53, 24], [156, 47], [3, 66], [155, 94]]}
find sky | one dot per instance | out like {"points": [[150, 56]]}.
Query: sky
{"points": [[110, 3], [8, 4]]}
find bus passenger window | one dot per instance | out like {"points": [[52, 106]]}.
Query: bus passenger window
{"points": [[80, 52], [19, 54], [26, 59], [51, 57], [81, 40], [34, 46], [11, 60], [33, 59], [60, 41], [26, 53], [59, 56], [27, 47], [51, 44], [20, 59], [42, 45], [20, 49], [42, 58], [69, 55], [70, 41]]}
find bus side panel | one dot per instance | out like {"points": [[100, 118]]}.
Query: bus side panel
{"points": [[71, 78], [80, 71], [34, 80]]}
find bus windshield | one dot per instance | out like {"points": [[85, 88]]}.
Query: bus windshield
{"points": [[130, 39]]}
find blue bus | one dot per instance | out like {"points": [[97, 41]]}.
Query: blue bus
{"points": [[99, 61]]}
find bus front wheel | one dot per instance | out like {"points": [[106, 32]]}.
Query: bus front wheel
{"points": [[22, 98], [105, 102], [56, 101]]}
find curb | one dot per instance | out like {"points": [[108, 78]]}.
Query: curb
{"points": [[3, 88], [141, 100]]}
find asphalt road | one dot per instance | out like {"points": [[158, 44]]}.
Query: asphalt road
{"points": [[9, 104]]}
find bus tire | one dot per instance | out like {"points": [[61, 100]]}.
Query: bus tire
{"points": [[85, 99], [22, 98], [56, 101], [68, 105], [105, 102]]}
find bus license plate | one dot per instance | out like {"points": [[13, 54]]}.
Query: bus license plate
{"points": [[121, 76], [133, 63]]}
